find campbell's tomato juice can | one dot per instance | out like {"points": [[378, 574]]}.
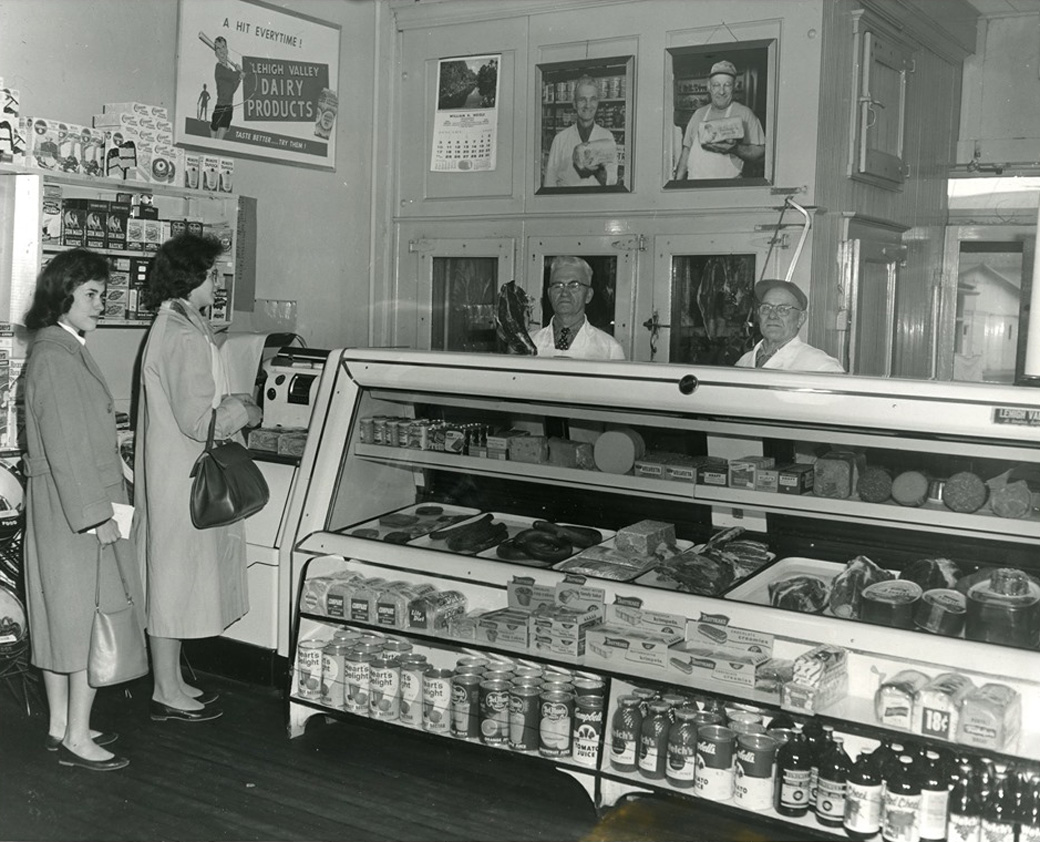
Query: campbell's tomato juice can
{"points": [[713, 774]]}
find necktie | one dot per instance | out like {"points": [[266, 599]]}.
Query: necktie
{"points": [[563, 341]]}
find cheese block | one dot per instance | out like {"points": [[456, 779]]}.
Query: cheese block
{"points": [[645, 537], [837, 473], [571, 454], [529, 449], [616, 451]]}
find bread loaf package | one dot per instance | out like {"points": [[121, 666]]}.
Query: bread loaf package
{"points": [[837, 474], [894, 699], [991, 717], [937, 705]]}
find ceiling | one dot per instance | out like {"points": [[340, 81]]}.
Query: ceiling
{"points": [[992, 8]]}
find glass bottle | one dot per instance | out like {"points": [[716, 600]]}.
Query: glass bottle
{"points": [[793, 768], [901, 804], [819, 739], [831, 781], [653, 740], [998, 813], [625, 730], [935, 799], [1029, 814], [965, 822], [682, 748], [862, 818], [781, 720]]}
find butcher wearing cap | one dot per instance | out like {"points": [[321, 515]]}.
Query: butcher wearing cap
{"points": [[721, 136], [781, 314]]}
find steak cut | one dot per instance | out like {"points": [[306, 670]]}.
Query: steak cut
{"points": [[849, 584], [807, 594]]}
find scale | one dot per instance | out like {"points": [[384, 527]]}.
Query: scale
{"points": [[291, 386]]}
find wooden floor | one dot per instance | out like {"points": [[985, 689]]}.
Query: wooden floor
{"points": [[241, 778]]}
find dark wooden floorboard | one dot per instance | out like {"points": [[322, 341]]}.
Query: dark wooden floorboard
{"points": [[240, 778]]}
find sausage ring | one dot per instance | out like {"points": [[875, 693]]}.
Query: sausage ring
{"points": [[543, 546]]}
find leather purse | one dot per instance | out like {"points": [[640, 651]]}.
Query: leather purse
{"points": [[228, 486], [117, 647]]}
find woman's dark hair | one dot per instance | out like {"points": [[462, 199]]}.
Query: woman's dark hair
{"points": [[57, 282], [180, 265]]}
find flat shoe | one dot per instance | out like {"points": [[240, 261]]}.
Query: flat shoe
{"points": [[102, 739], [160, 713], [69, 758], [207, 698]]}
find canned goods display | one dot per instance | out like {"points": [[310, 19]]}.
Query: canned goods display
{"points": [[333, 674], [436, 700], [526, 671], [716, 747], [494, 712], [585, 686], [753, 776], [588, 730], [384, 699], [356, 671], [396, 646], [471, 662], [308, 668], [465, 706], [412, 669], [524, 716], [555, 724]]}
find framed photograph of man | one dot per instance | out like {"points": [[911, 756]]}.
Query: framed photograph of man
{"points": [[585, 126], [722, 100]]}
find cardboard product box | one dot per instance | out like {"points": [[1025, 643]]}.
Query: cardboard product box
{"points": [[13, 140], [742, 471], [703, 662], [46, 141], [192, 170], [210, 173], [163, 168], [714, 473], [74, 222], [627, 612], [116, 303], [152, 235], [142, 109], [50, 231], [795, 479], [767, 479], [504, 627], [226, 175], [652, 465], [134, 234], [70, 148], [96, 229], [615, 647], [559, 646], [523, 593], [707, 632], [562, 622], [92, 153], [464, 627], [499, 439], [15, 437]]}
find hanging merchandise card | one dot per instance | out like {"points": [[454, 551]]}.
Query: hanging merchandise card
{"points": [[466, 123]]}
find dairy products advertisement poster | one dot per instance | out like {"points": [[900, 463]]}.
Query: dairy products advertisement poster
{"points": [[254, 80], [466, 122]]}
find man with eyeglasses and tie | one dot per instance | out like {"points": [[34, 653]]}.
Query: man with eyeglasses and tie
{"points": [[781, 313], [569, 332]]}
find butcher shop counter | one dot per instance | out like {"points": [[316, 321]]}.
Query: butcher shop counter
{"points": [[686, 497]]}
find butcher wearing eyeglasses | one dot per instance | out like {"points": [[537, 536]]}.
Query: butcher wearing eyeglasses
{"points": [[781, 313], [569, 333]]}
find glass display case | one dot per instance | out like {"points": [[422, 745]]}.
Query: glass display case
{"points": [[711, 529]]}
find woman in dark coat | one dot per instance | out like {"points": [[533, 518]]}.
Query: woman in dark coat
{"points": [[75, 475]]}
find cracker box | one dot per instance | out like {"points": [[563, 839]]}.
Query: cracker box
{"points": [[795, 479], [615, 647], [714, 632], [96, 223], [703, 662]]}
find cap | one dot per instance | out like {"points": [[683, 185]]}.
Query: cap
{"points": [[726, 67], [762, 287]]}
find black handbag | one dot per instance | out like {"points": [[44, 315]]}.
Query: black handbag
{"points": [[117, 648], [228, 486]]}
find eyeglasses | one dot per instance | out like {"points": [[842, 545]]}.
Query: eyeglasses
{"points": [[570, 286], [781, 310]]}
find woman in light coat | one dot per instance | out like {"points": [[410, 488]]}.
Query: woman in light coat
{"points": [[196, 578], [75, 475]]}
